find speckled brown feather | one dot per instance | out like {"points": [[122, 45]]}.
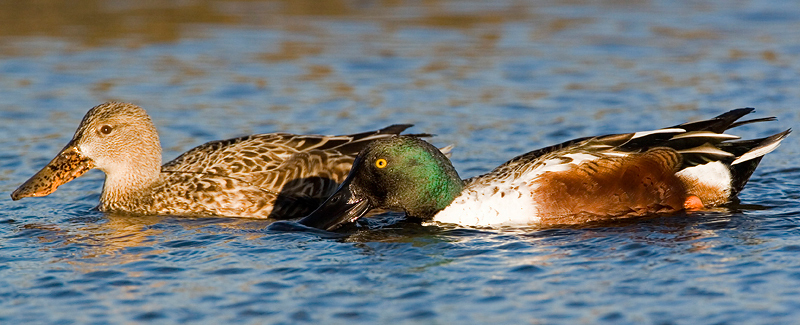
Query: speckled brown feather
{"points": [[293, 173]]}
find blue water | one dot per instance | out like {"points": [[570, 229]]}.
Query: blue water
{"points": [[495, 79]]}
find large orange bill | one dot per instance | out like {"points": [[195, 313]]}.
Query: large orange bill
{"points": [[68, 165]]}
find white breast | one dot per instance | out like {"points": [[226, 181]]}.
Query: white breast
{"points": [[502, 204]]}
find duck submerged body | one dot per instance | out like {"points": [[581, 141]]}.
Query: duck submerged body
{"points": [[688, 166], [275, 175]]}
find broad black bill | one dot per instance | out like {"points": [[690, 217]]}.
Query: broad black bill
{"points": [[341, 208]]}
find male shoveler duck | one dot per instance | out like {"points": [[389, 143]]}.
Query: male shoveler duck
{"points": [[275, 175], [688, 166]]}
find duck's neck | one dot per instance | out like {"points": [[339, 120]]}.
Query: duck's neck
{"points": [[440, 189], [126, 183]]}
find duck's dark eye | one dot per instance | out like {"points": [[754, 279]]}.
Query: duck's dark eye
{"points": [[105, 129]]}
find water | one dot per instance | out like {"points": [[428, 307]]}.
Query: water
{"points": [[496, 79]]}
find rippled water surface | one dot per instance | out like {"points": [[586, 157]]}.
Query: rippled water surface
{"points": [[495, 78]]}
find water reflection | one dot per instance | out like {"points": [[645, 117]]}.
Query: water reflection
{"points": [[118, 238]]}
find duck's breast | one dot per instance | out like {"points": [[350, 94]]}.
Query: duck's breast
{"points": [[492, 204]]}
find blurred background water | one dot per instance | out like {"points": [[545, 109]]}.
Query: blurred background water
{"points": [[495, 78]]}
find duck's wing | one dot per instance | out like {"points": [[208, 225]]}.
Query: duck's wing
{"points": [[300, 170]]}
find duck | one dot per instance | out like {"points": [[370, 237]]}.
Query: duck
{"points": [[691, 166], [271, 175]]}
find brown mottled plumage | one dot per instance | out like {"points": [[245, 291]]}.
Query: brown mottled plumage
{"points": [[276, 175]]}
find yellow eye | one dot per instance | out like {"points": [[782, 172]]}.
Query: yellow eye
{"points": [[380, 163]]}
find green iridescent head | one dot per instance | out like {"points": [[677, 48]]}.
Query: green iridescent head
{"points": [[401, 173]]}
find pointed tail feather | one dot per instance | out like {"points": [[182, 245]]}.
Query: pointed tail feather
{"points": [[719, 123], [763, 147], [749, 154], [755, 120]]}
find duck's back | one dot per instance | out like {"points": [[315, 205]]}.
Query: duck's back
{"points": [[276, 175]]}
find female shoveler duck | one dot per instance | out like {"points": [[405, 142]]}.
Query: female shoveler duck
{"points": [[274, 175], [688, 166]]}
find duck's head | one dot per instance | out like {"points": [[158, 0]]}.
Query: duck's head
{"points": [[401, 173], [117, 138]]}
